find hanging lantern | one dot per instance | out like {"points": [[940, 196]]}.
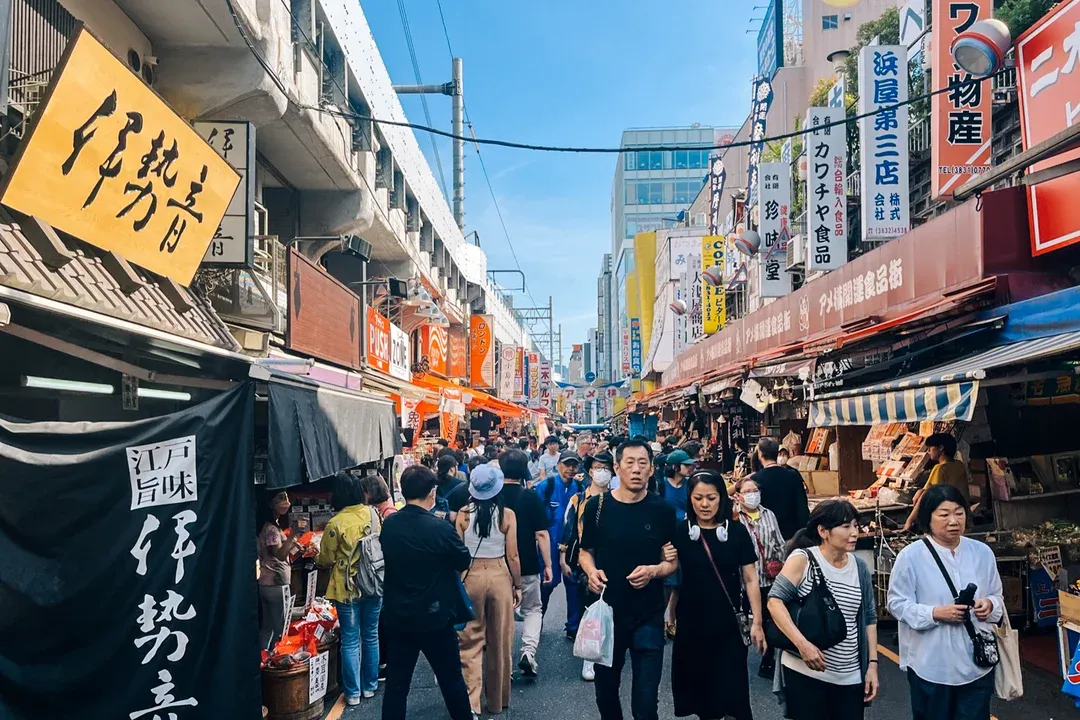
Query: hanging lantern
{"points": [[678, 306], [713, 276], [981, 49], [748, 243]]}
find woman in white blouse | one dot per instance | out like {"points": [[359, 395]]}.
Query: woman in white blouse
{"points": [[936, 648]]}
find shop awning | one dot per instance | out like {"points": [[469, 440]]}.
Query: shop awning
{"points": [[322, 429], [946, 392], [953, 401], [475, 399]]}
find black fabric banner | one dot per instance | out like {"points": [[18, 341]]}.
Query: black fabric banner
{"points": [[127, 567]]}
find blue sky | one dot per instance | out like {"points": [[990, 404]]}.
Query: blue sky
{"points": [[566, 72]]}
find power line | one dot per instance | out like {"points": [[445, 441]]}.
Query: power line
{"points": [[423, 98]]}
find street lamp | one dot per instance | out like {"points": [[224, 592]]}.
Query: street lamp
{"points": [[980, 50]]}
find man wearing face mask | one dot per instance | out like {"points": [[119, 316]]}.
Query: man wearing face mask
{"points": [[598, 472]]}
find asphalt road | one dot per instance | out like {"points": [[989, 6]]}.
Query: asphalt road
{"points": [[559, 693]]}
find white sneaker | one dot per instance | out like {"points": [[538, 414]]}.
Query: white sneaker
{"points": [[588, 671], [368, 694], [352, 700]]}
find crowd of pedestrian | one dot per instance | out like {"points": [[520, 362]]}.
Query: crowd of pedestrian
{"points": [[721, 564]]}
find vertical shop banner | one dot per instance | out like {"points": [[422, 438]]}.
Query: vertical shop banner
{"points": [[433, 343], [507, 355], [625, 349], [108, 162], [838, 92], [399, 353], [481, 351], [635, 347], [713, 299], [883, 142], [458, 346], [534, 380], [519, 375], [761, 100], [410, 415], [1049, 103], [378, 341], [775, 229], [234, 240], [826, 194], [129, 563], [961, 116], [545, 385], [717, 180]]}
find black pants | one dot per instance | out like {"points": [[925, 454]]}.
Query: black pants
{"points": [[811, 699], [768, 660], [930, 701], [646, 646], [440, 647]]}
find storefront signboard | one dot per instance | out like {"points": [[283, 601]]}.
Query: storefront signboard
{"points": [[378, 341], [399, 353], [1049, 90], [433, 344], [324, 315], [234, 240], [960, 140], [775, 230], [883, 139], [108, 162], [481, 351], [545, 385], [519, 375], [713, 299], [506, 371], [458, 347], [826, 196]]}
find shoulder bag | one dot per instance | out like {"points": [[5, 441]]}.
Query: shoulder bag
{"points": [[817, 616], [741, 618], [984, 647]]}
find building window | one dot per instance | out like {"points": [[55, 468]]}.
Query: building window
{"points": [[643, 194], [642, 160], [683, 188], [830, 22], [630, 194], [695, 159], [680, 160], [628, 160], [656, 160], [656, 193]]}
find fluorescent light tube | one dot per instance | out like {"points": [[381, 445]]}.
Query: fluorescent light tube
{"points": [[47, 383], [164, 394]]}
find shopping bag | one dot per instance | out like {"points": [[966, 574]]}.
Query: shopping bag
{"points": [[1008, 677], [595, 640]]}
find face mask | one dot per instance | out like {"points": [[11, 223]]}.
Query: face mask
{"points": [[782, 461], [751, 500], [601, 478]]}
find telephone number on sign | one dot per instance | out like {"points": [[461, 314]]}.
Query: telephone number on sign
{"points": [[963, 169]]}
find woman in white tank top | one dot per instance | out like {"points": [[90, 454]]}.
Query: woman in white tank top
{"points": [[493, 582]]}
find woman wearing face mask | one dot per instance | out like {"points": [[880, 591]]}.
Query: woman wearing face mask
{"points": [[274, 570], [597, 469], [769, 546], [709, 658]]}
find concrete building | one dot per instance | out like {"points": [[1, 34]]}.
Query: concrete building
{"points": [[605, 351], [302, 73]]}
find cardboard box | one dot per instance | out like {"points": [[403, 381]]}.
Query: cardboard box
{"points": [[826, 482], [809, 480], [1013, 593], [1069, 606]]}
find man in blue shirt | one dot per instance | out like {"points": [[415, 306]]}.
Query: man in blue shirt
{"points": [[556, 493], [679, 467]]}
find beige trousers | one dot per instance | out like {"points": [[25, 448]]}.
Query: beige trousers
{"points": [[492, 593]]}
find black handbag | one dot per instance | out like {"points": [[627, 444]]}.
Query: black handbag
{"points": [[817, 616], [984, 647]]}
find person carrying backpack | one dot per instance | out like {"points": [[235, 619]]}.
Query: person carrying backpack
{"points": [[350, 547], [556, 493]]}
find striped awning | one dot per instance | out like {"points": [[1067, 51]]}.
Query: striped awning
{"points": [[974, 367], [950, 401]]}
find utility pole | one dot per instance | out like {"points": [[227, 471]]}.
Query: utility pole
{"points": [[457, 126]]}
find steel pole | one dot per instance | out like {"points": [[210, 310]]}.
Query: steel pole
{"points": [[458, 128]]}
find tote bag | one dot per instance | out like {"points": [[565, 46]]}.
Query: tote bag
{"points": [[1008, 677]]}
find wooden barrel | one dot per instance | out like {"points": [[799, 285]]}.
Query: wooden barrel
{"points": [[285, 694], [333, 665]]}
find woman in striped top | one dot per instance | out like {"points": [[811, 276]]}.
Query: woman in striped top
{"points": [[838, 682]]}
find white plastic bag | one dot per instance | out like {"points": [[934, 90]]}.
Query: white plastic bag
{"points": [[596, 634]]}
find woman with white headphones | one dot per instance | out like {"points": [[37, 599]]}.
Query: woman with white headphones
{"points": [[717, 557]]}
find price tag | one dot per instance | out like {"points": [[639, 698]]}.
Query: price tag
{"points": [[318, 674]]}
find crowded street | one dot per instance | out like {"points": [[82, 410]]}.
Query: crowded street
{"points": [[465, 360]]}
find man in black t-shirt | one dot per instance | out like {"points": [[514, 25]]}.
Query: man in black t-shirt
{"points": [[532, 535], [782, 489], [622, 553]]}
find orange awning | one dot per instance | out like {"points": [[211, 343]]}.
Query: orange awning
{"points": [[476, 399]]}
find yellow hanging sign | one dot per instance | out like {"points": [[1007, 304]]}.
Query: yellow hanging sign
{"points": [[713, 299]]}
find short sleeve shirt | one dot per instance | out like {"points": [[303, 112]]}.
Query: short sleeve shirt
{"points": [[531, 519]]}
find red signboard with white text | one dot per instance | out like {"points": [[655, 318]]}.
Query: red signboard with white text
{"points": [[378, 336], [433, 342], [1048, 60]]}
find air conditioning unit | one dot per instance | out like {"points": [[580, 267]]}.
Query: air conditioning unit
{"points": [[796, 254]]}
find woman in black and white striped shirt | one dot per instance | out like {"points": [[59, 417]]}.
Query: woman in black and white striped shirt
{"points": [[837, 682]]}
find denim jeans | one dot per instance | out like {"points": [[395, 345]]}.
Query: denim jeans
{"points": [[646, 646], [359, 621], [930, 701]]}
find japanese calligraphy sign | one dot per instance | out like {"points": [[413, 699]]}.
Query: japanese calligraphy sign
{"points": [[481, 351], [378, 340], [775, 230], [1047, 58], [682, 249], [145, 527], [883, 139], [433, 343], [717, 179], [826, 194], [960, 147], [545, 385], [108, 162], [713, 299], [760, 101], [519, 375], [506, 371], [233, 242]]}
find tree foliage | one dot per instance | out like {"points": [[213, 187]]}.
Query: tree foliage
{"points": [[1019, 15], [886, 27]]}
